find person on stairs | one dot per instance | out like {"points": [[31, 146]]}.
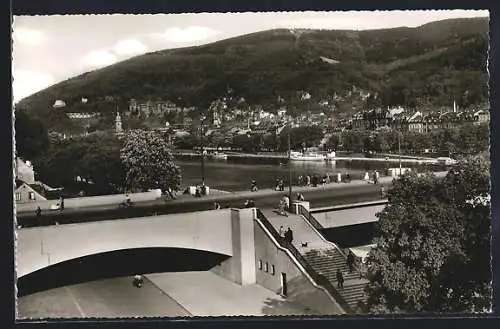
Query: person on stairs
{"points": [[340, 279], [281, 232], [350, 261], [289, 236]]}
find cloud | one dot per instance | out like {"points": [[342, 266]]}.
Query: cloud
{"points": [[28, 36], [27, 82], [99, 58], [130, 47], [188, 34]]}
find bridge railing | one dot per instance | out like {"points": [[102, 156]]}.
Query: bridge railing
{"points": [[317, 225], [320, 279]]}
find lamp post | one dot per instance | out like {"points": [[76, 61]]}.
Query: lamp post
{"points": [[202, 152], [289, 167], [399, 150]]}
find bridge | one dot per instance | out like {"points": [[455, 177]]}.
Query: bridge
{"points": [[347, 215], [227, 232]]}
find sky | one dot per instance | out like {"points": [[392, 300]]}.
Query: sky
{"points": [[50, 49]]}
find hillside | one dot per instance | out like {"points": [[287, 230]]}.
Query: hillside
{"points": [[436, 62]]}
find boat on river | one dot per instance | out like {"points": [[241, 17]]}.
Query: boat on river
{"points": [[311, 156], [219, 156]]}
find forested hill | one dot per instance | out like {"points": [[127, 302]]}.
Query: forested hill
{"points": [[436, 63]]}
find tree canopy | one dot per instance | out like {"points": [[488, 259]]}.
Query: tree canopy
{"points": [[149, 162], [433, 244], [31, 136], [94, 158]]}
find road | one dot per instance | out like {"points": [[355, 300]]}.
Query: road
{"points": [[163, 295], [115, 297], [333, 194]]}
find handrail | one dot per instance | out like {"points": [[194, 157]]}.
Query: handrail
{"points": [[309, 218], [320, 279]]}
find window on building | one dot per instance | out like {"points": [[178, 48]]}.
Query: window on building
{"points": [[260, 264], [18, 196], [273, 270], [267, 267], [31, 196]]}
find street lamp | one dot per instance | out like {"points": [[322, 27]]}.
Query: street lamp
{"points": [[399, 150], [289, 167], [202, 151]]}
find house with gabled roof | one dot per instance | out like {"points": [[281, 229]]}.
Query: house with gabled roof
{"points": [[482, 116], [416, 123], [27, 188]]}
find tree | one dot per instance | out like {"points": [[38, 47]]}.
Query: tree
{"points": [[149, 162], [333, 142], [433, 241], [94, 158], [31, 136], [217, 139]]}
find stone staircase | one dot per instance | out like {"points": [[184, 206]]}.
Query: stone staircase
{"points": [[326, 262], [322, 256]]}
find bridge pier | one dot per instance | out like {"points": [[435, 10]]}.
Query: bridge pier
{"points": [[240, 268]]}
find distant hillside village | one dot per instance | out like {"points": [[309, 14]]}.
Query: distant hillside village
{"points": [[256, 119]]}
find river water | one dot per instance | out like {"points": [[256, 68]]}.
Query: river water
{"points": [[236, 174]]}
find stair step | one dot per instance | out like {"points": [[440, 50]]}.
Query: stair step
{"points": [[353, 295]]}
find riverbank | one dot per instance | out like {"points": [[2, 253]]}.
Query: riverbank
{"points": [[388, 158], [186, 200]]}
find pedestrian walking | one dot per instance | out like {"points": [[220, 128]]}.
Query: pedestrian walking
{"points": [[382, 192], [300, 197], [286, 199], [61, 203], [38, 212], [301, 180], [315, 180], [350, 261], [281, 208], [308, 180], [340, 279], [277, 184], [282, 185], [253, 188], [289, 235], [281, 232]]}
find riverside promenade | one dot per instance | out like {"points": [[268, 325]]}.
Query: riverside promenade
{"points": [[89, 209]]}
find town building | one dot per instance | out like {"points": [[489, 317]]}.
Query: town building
{"points": [[482, 116], [416, 123], [118, 124], [81, 116], [27, 188], [59, 104]]}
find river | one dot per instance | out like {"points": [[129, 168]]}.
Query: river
{"points": [[236, 174]]}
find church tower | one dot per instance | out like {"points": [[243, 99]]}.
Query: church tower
{"points": [[118, 124]]}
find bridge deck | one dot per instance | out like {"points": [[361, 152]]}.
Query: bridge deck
{"points": [[347, 217]]}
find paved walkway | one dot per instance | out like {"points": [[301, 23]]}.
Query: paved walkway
{"points": [[214, 196], [208, 294], [302, 232], [108, 298]]}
